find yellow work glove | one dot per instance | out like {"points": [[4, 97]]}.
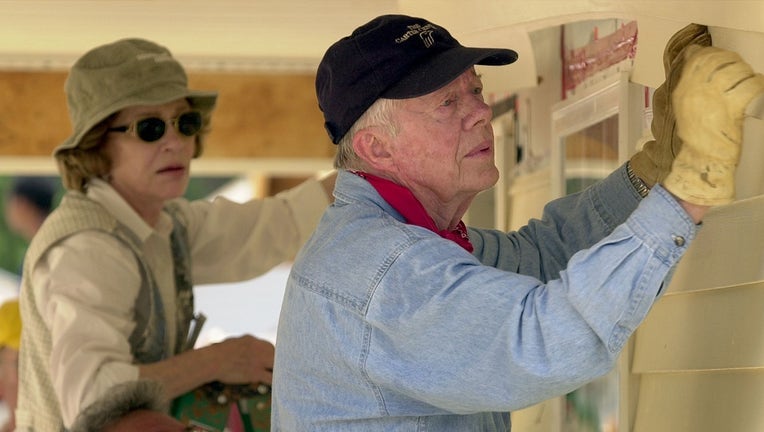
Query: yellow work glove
{"points": [[653, 162], [709, 103]]}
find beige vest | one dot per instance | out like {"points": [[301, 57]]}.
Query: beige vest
{"points": [[38, 408]]}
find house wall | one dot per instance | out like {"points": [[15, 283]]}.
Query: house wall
{"points": [[696, 364]]}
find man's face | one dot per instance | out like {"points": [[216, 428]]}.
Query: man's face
{"points": [[444, 146], [21, 217]]}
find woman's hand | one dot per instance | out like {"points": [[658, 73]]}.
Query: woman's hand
{"points": [[239, 360], [244, 360]]}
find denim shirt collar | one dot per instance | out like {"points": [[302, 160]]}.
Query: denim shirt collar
{"points": [[350, 188]]}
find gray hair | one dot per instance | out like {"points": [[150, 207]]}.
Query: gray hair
{"points": [[380, 113], [122, 399]]}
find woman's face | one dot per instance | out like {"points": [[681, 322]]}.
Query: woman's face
{"points": [[147, 174]]}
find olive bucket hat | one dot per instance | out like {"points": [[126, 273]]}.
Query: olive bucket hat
{"points": [[121, 74]]}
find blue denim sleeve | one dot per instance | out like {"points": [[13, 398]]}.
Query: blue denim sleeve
{"points": [[542, 248], [465, 337]]}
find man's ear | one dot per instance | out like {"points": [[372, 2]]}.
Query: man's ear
{"points": [[373, 147]]}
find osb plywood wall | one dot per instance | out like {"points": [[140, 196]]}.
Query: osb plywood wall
{"points": [[258, 115], [33, 118]]}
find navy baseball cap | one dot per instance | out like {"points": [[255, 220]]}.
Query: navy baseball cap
{"points": [[393, 57]]}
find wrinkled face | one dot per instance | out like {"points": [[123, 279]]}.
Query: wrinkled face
{"points": [[445, 141], [147, 174]]}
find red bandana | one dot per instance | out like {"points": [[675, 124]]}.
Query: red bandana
{"points": [[402, 200]]}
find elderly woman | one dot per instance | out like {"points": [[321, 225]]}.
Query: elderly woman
{"points": [[106, 288]]}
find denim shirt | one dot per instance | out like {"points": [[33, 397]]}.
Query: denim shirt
{"points": [[386, 326]]}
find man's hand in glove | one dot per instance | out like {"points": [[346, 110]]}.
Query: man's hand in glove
{"points": [[709, 103], [653, 162]]}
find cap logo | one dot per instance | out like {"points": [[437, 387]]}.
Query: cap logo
{"points": [[424, 32], [157, 57]]}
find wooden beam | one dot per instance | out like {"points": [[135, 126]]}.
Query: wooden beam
{"points": [[258, 115]]}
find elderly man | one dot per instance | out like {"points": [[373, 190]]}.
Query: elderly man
{"points": [[397, 317]]}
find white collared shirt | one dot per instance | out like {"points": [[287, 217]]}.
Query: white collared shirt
{"points": [[88, 283]]}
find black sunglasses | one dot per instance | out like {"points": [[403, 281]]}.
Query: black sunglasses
{"points": [[152, 129]]}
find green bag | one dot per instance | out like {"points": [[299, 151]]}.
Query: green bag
{"points": [[210, 406]]}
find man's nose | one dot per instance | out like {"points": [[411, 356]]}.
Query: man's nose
{"points": [[478, 112]]}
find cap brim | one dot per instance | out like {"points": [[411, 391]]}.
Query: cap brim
{"points": [[441, 69], [201, 100]]}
